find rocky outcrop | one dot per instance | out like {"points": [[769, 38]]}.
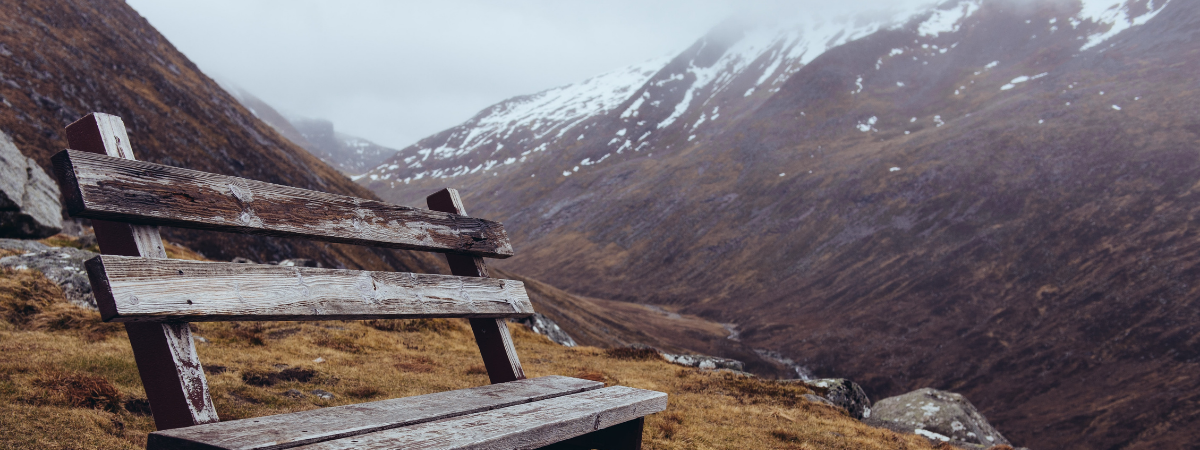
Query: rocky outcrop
{"points": [[940, 416], [544, 326], [29, 206], [22, 245], [705, 362], [844, 393], [818, 399], [62, 265]]}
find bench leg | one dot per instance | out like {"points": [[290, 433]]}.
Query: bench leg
{"points": [[623, 436]]}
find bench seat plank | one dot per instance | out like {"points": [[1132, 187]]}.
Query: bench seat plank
{"points": [[297, 429], [133, 289], [102, 187], [525, 426]]}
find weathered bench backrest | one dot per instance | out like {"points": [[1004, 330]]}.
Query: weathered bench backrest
{"points": [[135, 283]]}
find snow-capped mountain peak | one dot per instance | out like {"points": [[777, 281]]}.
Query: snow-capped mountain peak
{"points": [[732, 69]]}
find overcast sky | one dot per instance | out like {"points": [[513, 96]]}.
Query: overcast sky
{"points": [[394, 72]]}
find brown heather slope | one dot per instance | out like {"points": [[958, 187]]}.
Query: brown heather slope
{"points": [[60, 60], [1037, 252], [610, 324], [68, 381]]}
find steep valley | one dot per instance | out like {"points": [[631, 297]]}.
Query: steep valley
{"points": [[350, 154], [589, 321], [992, 197], [611, 324]]}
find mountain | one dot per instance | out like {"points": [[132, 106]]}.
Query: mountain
{"points": [[592, 321], [62, 60], [351, 155], [989, 197]]}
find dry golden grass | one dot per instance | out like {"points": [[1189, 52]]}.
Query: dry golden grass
{"points": [[67, 240], [175, 251], [70, 386]]}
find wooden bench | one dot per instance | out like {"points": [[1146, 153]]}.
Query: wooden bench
{"points": [[156, 297]]}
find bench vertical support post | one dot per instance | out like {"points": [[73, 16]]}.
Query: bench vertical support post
{"points": [[492, 336], [165, 355]]}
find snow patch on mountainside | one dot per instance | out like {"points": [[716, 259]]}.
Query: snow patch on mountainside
{"points": [[765, 54], [555, 110], [758, 61], [783, 48], [1117, 16], [948, 20]]}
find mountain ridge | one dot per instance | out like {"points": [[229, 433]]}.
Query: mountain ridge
{"points": [[990, 198], [351, 155], [62, 60]]}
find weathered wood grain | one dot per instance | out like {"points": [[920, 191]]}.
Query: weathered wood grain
{"points": [[491, 335], [100, 187], [306, 427], [141, 289], [166, 357], [526, 426]]}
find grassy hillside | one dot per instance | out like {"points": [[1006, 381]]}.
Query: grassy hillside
{"points": [[607, 323], [993, 211], [68, 381], [60, 60]]}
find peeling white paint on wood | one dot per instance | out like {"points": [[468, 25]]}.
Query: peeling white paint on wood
{"points": [[100, 187]]}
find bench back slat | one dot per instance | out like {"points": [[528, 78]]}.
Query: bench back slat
{"points": [[130, 289], [103, 187]]}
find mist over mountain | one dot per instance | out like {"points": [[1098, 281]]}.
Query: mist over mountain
{"points": [[990, 197], [351, 155]]}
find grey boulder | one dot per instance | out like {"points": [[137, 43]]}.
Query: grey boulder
{"points": [[844, 393], [705, 362], [62, 265], [818, 399], [544, 326], [940, 416], [23, 245], [29, 206]]}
